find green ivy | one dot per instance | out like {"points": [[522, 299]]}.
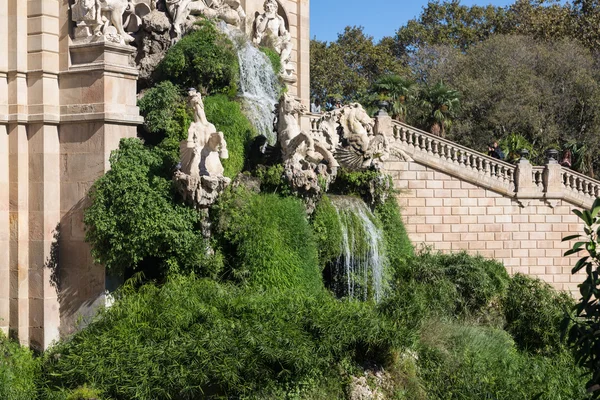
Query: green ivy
{"points": [[274, 58], [18, 371]]}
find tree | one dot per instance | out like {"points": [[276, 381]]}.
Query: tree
{"points": [[441, 104], [346, 69], [583, 334], [513, 84], [399, 90]]}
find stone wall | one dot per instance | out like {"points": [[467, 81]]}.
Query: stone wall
{"points": [[448, 214]]}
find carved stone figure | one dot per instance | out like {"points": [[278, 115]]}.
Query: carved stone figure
{"points": [[101, 18], [308, 162], [200, 178], [361, 147], [230, 11], [270, 31]]}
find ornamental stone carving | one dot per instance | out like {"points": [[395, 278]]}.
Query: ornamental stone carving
{"points": [[270, 31], [200, 177], [309, 165], [230, 11], [100, 18]]}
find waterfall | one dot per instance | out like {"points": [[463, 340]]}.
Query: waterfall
{"points": [[259, 86], [360, 268]]}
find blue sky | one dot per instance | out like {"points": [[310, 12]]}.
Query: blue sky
{"points": [[379, 17]]}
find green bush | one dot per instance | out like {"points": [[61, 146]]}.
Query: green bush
{"points": [[228, 118], [328, 231], [468, 362], [397, 243], [372, 186], [18, 371], [456, 285], [534, 312], [204, 59], [167, 118], [268, 241], [134, 221], [195, 338]]}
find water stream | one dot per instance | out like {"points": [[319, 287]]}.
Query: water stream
{"points": [[259, 86], [360, 268]]}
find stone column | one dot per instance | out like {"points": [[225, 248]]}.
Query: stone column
{"points": [[552, 177], [524, 185], [98, 108], [4, 186], [44, 168]]}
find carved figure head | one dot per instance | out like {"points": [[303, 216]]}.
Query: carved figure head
{"points": [[271, 6], [195, 98], [290, 105]]}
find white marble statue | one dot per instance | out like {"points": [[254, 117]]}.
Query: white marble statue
{"points": [[270, 31], [293, 141], [230, 11], [101, 18], [200, 178], [204, 148]]}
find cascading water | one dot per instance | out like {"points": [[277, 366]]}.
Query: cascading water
{"points": [[360, 268], [259, 86]]}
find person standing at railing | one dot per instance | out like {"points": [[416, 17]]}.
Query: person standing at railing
{"points": [[315, 107]]}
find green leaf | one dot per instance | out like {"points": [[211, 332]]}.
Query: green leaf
{"points": [[580, 264], [572, 251], [566, 239]]}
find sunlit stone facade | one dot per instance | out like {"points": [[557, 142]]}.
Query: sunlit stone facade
{"points": [[64, 106]]}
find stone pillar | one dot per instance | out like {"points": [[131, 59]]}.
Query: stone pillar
{"points": [[303, 59], [19, 231], [524, 185], [98, 108], [4, 180], [552, 178]]}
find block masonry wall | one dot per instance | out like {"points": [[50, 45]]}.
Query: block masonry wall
{"points": [[447, 214]]}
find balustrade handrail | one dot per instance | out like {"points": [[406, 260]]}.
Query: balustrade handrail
{"points": [[579, 175], [454, 144]]}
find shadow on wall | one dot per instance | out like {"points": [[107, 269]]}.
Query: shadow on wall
{"points": [[79, 282]]}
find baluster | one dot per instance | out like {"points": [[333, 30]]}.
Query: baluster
{"points": [[511, 176], [436, 148], [428, 145], [479, 164], [579, 185], [486, 167]]}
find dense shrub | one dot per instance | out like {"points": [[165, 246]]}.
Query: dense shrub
{"points": [[18, 371], [268, 241], [228, 118], [534, 312], [204, 59], [397, 243], [328, 231], [166, 121], [454, 284], [135, 222], [372, 186], [468, 362], [196, 338]]}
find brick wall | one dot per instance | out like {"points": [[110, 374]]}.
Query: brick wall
{"points": [[448, 214]]}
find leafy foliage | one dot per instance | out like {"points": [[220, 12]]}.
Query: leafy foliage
{"points": [[18, 371], [228, 118], [534, 312], [328, 231], [583, 335], [470, 362], [134, 221], [398, 248], [371, 185], [193, 338], [562, 73], [204, 59], [268, 240], [399, 90]]}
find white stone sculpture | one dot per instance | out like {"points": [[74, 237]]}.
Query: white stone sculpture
{"points": [[270, 31], [230, 11], [361, 147], [95, 18], [200, 178], [308, 163]]}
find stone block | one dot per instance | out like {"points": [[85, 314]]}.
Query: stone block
{"points": [[453, 184]]}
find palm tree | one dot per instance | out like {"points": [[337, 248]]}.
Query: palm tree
{"points": [[399, 90], [441, 103]]}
